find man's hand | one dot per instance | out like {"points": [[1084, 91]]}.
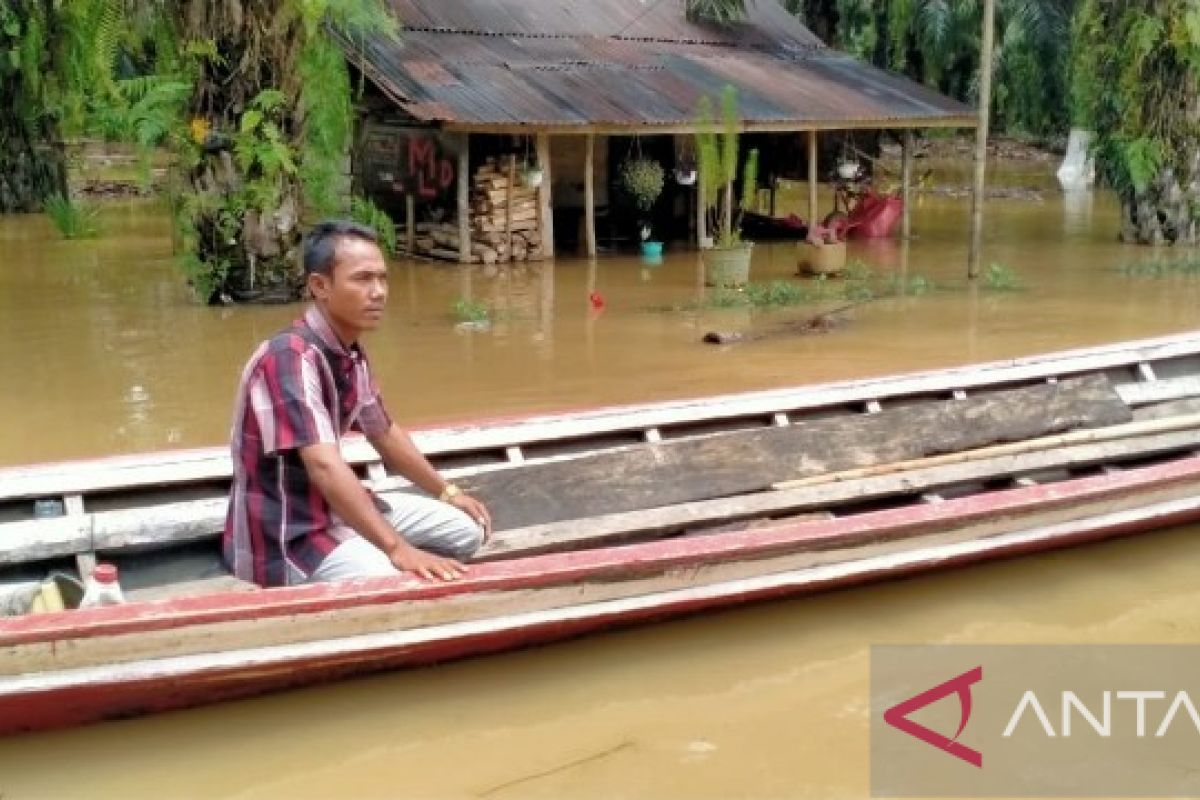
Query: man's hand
{"points": [[425, 565], [475, 510]]}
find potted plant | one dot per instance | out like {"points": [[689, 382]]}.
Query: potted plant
{"points": [[685, 171], [532, 175], [642, 179], [727, 262], [823, 252]]}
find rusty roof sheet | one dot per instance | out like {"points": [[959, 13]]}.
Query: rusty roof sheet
{"points": [[627, 63]]}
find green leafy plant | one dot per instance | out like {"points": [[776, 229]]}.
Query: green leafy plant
{"points": [[1136, 83], [717, 12], [643, 179], [74, 220], [206, 278], [471, 311], [718, 155], [365, 211], [1001, 278], [1187, 266]]}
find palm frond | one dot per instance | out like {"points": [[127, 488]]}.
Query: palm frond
{"points": [[717, 12]]}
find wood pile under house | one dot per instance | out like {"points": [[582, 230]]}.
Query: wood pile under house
{"points": [[505, 220]]}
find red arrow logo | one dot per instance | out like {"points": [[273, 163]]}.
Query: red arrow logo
{"points": [[897, 715]]}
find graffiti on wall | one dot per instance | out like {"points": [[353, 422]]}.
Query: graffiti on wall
{"points": [[409, 161]]}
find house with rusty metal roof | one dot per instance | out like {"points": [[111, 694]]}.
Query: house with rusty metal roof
{"points": [[570, 83]]}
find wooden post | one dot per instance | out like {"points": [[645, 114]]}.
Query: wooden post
{"points": [[906, 157], [701, 213], [508, 206], [464, 197], [410, 222], [545, 199], [981, 137], [589, 195], [812, 178]]}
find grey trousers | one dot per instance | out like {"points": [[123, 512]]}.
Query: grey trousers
{"points": [[424, 523]]}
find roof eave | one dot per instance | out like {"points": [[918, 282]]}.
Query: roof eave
{"points": [[785, 126]]}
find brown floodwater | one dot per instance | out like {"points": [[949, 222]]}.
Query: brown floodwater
{"points": [[102, 352]]}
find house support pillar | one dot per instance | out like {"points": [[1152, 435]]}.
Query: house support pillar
{"points": [[812, 178], [464, 197], [410, 222], [589, 195], [545, 199], [906, 159]]}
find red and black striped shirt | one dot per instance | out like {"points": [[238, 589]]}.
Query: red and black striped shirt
{"points": [[301, 387]]}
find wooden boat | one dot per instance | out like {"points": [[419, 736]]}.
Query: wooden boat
{"points": [[765, 228], [606, 517]]}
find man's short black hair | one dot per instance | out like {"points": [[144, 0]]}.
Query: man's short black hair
{"points": [[320, 245]]}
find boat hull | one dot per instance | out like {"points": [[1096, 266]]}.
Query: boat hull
{"points": [[59, 670]]}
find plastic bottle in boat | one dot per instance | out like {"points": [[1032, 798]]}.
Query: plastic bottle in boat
{"points": [[102, 588]]}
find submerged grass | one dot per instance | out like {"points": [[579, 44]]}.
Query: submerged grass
{"points": [[858, 284], [1162, 267], [74, 220], [465, 310], [999, 277]]}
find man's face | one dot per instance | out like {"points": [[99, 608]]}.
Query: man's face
{"points": [[356, 292]]}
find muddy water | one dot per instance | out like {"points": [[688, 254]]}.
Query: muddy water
{"points": [[766, 702], [101, 352]]}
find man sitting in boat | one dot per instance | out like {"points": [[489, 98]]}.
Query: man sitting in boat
{"points": [[297, 512]]}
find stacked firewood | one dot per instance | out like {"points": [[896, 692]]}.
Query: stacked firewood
{"points": [[505, 222]]}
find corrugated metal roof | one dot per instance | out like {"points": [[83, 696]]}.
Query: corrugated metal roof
{"points": [[628, 63]]}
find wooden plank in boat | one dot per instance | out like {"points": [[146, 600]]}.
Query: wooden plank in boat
{"points": [[1138, 394], [650, 475], [40, 539], [723, 465], [1168, 409], [611, 529], [213, 463]]}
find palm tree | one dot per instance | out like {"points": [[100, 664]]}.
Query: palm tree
{"points": [[937, 42], [252, 96], [718, 12], [1136, 83], [38, 77], [59, 78], [271, 118]]}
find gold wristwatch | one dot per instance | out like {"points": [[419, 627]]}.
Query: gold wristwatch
{"points": [[449, 492]]}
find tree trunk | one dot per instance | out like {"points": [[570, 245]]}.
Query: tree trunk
{"points": [[1168, 212], [32, 164], [250, 255], [32, 160]]}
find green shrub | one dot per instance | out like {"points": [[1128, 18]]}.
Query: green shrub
{"points": [[1001, 278], [465, 310], [364, 211], [73, 220]]}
